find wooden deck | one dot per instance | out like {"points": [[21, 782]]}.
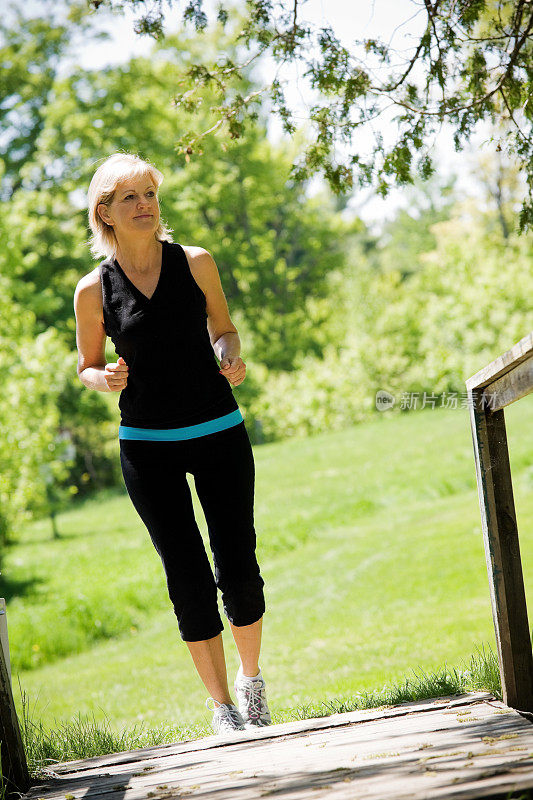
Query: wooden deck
{"points": [[463, 746]]}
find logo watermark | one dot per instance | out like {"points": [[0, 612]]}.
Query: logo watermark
{"points": [[419, 400], [384, 400]]}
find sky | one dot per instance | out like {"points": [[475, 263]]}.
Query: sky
{"points": [[396, 22]]}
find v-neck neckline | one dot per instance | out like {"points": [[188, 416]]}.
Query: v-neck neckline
{"points": [[136, 288]]}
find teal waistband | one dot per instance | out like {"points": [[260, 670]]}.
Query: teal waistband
{"points": [[187, 432]]}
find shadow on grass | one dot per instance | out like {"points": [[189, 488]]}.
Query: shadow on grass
{"points": [[14, 587]]}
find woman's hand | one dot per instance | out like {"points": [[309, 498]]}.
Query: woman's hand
{"points": [[116, 375], [234, 368]]}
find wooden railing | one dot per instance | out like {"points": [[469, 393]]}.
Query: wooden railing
{"points": [[500, 383], [14, 767]]}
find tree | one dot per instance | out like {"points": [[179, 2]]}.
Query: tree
{"points": [[408, 234], [31, 50], [275, 246], [35, 367], [472, 62]]}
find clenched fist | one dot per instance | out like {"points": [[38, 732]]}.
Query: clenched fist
{"points": [[116, 375], [234, 368]]}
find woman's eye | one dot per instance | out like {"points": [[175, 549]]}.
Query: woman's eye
{"points": [[130, 195]]}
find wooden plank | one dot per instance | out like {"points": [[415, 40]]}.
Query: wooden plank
{"points": [[471, 750], [516, 383], [140, 758], [281, 729], [521, 351], [502, 553], [14, 766]]}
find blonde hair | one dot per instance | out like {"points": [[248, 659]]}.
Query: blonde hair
{"points": [[116, 168]]}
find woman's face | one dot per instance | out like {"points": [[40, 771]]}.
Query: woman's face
{"points": [[135, 207]]}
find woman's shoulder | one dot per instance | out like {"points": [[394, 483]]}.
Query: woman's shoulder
{"points": [[90, 280], [89, 287], [192, 251], [195, 256]]}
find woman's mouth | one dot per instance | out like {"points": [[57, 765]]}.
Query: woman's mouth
{"points": [[142, 216]]}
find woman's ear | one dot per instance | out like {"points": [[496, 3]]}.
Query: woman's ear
{"points": [[101, 208]]}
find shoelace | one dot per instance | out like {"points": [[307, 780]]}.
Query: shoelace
{"points": [[228, 717], [255, 698]]}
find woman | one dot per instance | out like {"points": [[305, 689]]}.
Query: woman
{"points": [[163, 306]]}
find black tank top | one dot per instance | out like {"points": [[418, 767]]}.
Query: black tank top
{"points": [[173, 377]]}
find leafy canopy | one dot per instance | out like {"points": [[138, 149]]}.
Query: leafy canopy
{"points": [[472, 62]]}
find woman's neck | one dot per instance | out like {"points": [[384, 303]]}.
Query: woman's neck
{"points": [[139, 257]]}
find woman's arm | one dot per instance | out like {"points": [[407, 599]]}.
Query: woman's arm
{"points": [[222, 332], [93, 371], [228, 344]]}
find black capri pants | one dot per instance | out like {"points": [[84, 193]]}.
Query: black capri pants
{"points": [[223, 468]]}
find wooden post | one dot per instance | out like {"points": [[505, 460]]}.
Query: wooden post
{"points": [[14, 766], [502, 552], [4, 639]]}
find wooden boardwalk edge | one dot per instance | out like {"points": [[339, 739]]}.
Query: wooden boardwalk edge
{"points": [[279, 729], [271, 731], [455, 747]]}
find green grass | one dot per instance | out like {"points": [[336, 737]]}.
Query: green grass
{"points": [[85, 736], [370, 544]]}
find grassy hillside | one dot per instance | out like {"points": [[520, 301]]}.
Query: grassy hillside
{"points": [[370, 544]]}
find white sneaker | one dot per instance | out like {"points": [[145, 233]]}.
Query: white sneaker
{"points": [[226, 717], [252, 700]]}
